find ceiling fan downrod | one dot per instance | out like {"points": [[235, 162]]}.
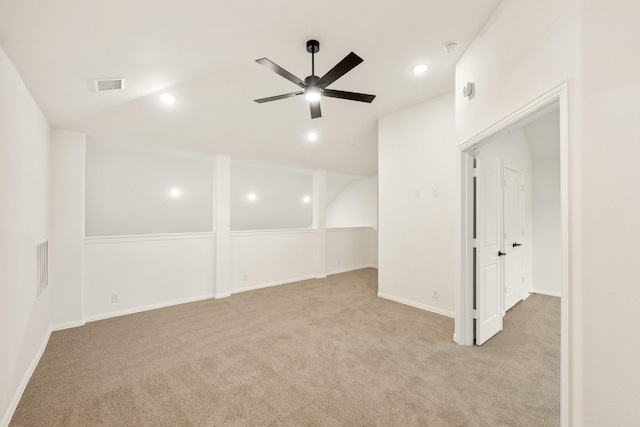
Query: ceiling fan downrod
{"points": [[313, 47]]}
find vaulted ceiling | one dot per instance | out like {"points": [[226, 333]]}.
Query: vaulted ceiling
{"points": [[203, 52]]}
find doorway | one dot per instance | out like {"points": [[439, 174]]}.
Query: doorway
{"points": [[478, 264], [517, 228]]}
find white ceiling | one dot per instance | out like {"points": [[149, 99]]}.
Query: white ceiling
{"points": [[204, 52]]}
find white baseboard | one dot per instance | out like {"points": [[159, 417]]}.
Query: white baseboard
{"points": [[276, 283], [25, 380], [346, 270], [67, 325], [146, 308], [548, 293], [222, 295], [417, 305]]}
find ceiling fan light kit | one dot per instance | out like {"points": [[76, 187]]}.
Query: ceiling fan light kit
{"points": [[314, 87]]}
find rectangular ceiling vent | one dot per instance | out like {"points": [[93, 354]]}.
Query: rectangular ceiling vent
{"points": [[115, 83]]}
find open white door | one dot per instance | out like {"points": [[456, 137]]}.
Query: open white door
{"points": [[489, 287], [513, 237]]}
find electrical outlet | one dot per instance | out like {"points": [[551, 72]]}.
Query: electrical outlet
{"points": [[115, 297], [338, 262], [436, 294], [418, 193], [245, 277], [435, 192]]}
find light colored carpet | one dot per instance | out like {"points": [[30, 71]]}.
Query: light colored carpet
{"points": [[319, 352]]}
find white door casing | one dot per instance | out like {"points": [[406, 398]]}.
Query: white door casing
{"points": [[489, 273], [513, 236]]}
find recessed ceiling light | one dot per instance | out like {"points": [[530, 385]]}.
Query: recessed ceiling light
{"points": [[252, 197], [306, 199], [167, 99], [420, 68], [175, 192], [312, 136]]}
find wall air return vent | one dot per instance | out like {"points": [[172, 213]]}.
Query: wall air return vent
{"points": [[114, 83], [42, 266]]}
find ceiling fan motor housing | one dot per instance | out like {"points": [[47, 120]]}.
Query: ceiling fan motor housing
{"points": [[311, 80]]}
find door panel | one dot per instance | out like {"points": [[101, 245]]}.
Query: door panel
{"points": [[489, 289], [513, 235]]}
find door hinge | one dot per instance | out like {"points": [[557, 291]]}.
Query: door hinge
{"points": [[474, 172], [474, 313], [475, 243]]}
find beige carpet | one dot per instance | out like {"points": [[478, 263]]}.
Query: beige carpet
{"points": [[319, 352]]}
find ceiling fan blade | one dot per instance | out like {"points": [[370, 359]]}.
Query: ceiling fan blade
{"points": [[343, 67], [315, 110], [275, 98], [351, 96], [279, 70]]}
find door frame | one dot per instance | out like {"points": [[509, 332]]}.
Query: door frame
{"points": [[557, 97]]}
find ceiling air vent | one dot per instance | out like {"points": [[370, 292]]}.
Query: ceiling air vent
{"points": [[115, 83]]}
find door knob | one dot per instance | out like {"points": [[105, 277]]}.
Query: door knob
{"points": [[515, 244], [500, 253]]}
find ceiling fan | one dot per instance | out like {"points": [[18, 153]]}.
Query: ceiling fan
{"points": [[314, 87]]}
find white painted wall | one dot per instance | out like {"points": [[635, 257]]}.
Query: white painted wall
{"points": [[147, 272], [24, 221], [513, 148], [543, 135], [67, 226], [320, 221], [154, 270], [336, 183], [128, 192], [223, 226], [525, 49], [373, 249], [610, 208], [266, 258], [512, 61], [534, 151], [356, 205], [417, 152], [351, 248], [547, 233], [279, 196]]}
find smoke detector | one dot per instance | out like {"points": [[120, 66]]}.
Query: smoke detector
{"points": [[450, 47], [113, 83]]}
